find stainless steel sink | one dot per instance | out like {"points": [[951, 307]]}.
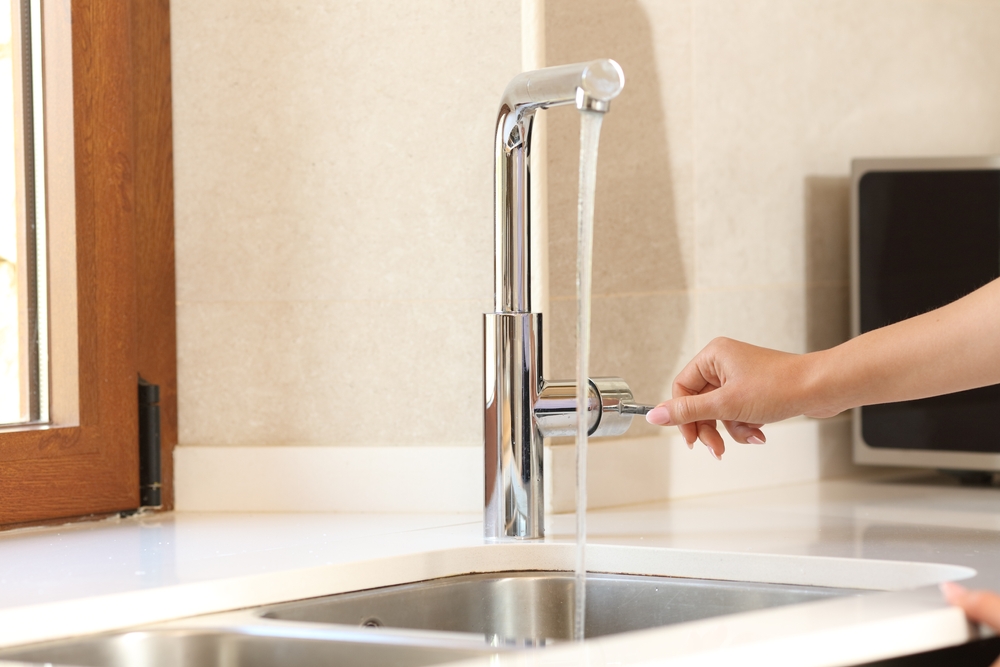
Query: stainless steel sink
{"points": [[536, 608], [242, 647], [423, 623]]}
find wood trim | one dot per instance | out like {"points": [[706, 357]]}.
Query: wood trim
{"points": [[154, 196], [125, 307]]}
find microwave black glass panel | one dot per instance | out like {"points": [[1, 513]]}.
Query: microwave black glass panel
{"points": [[926, 238]]}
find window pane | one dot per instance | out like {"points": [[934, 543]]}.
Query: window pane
{"points": [[10, 377], [23, 327]]}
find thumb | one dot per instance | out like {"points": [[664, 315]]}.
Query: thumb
{"points": [[686, 409]]}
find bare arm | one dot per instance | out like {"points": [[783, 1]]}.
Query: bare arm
{"points": [[950, 349]]}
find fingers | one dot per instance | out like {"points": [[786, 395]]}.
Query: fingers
{"points": [[979, 606], [710, 437], [693, 428], [699, 400], [685, 410], [660, 415], [690, 434], [745, 433], [741, 385]]}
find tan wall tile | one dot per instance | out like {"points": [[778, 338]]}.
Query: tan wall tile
{"points": [[331, 373], [644, 469], [334, 217], [786, 90], [642, 228], [337, 149], [773, 317], [828, 316], [827, 220]]}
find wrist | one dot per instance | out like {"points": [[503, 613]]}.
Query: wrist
{"points": [[820, 384]]}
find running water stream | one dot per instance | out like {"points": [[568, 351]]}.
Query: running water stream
{"points": [[590, 134]]}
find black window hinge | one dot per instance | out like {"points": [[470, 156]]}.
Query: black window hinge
{"points": [[149, 444]]}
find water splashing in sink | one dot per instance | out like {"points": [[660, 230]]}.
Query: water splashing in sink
{"points": [[590, 134]]}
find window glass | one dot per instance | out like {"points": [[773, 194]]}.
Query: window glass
{"points": [[23, 310], [10, 376]]}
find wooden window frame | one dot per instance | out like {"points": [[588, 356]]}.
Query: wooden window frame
{"points": [[85, 463]]}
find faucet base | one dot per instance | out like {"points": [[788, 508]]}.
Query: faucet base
{"points": [[514, 500]]}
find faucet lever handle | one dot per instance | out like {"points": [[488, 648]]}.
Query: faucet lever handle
{"points": [[635, 409]]}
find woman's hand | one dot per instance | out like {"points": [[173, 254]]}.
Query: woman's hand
{"points": [[979, 606], [744, 387], [946, 350]]}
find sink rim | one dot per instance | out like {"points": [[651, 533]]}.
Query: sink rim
{"points": [[142, 607], [755, 632]]}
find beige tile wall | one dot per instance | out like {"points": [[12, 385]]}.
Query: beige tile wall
{"points": [[334, 217], [722, 203], [334, 185]]}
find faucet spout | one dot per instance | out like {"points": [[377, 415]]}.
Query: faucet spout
{"points": [[521, 407], [590, 86]]}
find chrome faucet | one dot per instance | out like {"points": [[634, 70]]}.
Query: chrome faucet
{"points": [[522, 407]]}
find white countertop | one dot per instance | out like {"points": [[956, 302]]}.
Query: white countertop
{"points": [[90, 577]]}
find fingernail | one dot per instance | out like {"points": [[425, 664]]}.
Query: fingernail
{"points": [[659, 416], [754, 440], [717, 456]]}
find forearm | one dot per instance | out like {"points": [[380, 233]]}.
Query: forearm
{"points": [[950, 349]]}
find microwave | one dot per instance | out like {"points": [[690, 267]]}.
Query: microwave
{"points": [[924, 232]]}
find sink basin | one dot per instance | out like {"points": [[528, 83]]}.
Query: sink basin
{"points": [[525, 600], [536, 608], [244, 647], [423, 623]]}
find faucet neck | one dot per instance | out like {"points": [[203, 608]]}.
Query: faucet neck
{"points": [[590, 86], [512, 201]]}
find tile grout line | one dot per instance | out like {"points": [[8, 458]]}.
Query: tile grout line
{"points": [[694, 176], [188, 302], [773, 287], [607, 295]]}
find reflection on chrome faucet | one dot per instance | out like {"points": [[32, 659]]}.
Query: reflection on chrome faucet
{"points": [[522, 407]]}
